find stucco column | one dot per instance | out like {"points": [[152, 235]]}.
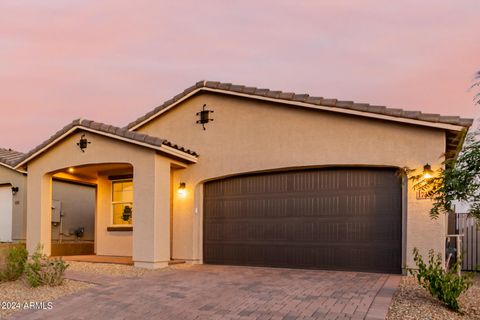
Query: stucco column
{"points": [[151, 220], [39, 211]]}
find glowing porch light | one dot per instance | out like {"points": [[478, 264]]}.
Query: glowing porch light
{"points": [[182, 192], [427, 171]]}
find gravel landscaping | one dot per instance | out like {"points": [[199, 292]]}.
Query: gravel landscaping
{"points": [[111, 269], [13, 295], [411, 301]]}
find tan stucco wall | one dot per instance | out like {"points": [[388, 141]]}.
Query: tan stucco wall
{"points": [[248, 135], [151, 197], [19, 207]]}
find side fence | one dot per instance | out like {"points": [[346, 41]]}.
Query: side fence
{"points": [[468, 227]]}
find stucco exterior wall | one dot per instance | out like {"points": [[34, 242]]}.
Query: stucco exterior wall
{"points": [[249, 135], [151, 197]]}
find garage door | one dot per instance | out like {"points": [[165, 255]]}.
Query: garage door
{"points": [[340, 219], [5, 213]]}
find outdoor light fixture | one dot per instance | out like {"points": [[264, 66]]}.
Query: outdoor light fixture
{"points": [[14, 190], [127, 213], [71, 170], [83, 143], [182, 192], [427, 171]]}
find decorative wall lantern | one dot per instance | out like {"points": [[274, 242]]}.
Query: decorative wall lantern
{"points": [[182, 192], [83, 143], [204, 116], [127, 213], [427, 171], [14, 190]]}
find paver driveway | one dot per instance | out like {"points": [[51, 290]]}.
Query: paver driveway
{"points": [[226, 292]]}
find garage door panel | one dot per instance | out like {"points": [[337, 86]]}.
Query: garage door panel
{"points": [[305, 230], [347, 219], [335, 257]]}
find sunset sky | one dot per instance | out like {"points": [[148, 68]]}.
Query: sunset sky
{"points": [[112, 61]]}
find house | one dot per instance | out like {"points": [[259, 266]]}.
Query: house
{"points": [[74, 207], [228, 174]]}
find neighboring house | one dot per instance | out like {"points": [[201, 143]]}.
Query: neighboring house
{"points": [[13, 197], [275, 179], [75, 203]]}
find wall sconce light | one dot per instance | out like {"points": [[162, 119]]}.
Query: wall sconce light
{"points": [[427, 171], [14, 190], [182, 192]]}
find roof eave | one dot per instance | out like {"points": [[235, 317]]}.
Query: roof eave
{"points": [[178, 154], [440, 125]]}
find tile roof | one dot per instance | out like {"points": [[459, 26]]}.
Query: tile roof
{"points": [[10, 157], [109, 129], [305, 98]]}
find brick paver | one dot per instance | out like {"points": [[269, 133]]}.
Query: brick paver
{"points": [[227, 292]]}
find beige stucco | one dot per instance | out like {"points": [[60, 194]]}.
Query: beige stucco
{"points": [[151, 175], [248, 135]]}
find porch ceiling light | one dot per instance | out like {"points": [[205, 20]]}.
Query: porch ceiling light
{"points": [[71, 170], [427, 171], [182, 192]]}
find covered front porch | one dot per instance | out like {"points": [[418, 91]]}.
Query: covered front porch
{"points": [[133, 178]]}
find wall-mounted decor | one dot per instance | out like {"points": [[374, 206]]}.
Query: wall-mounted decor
{"points": [[204, 116], [83, 143]]}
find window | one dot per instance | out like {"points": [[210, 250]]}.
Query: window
{"points": [[122, 202]]}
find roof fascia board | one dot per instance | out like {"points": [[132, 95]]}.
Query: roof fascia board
{"points": [[438, 125], [165, 149], [12, 168], [165, 109]]}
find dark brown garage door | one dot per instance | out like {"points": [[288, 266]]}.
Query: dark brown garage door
{"points": [[342, 219]]}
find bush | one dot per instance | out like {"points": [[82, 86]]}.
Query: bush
{"points": [[444, 285], [40, 270], [15, 264]]}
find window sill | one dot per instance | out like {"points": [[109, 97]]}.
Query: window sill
{"points": [[119, 228]]}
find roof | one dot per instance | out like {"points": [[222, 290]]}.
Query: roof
{"points": [[306, 100], [113, 132], [9, 157]]}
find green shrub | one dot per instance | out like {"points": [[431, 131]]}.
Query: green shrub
{"points": [[444, 285], [40, 270], [15, 264]]}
